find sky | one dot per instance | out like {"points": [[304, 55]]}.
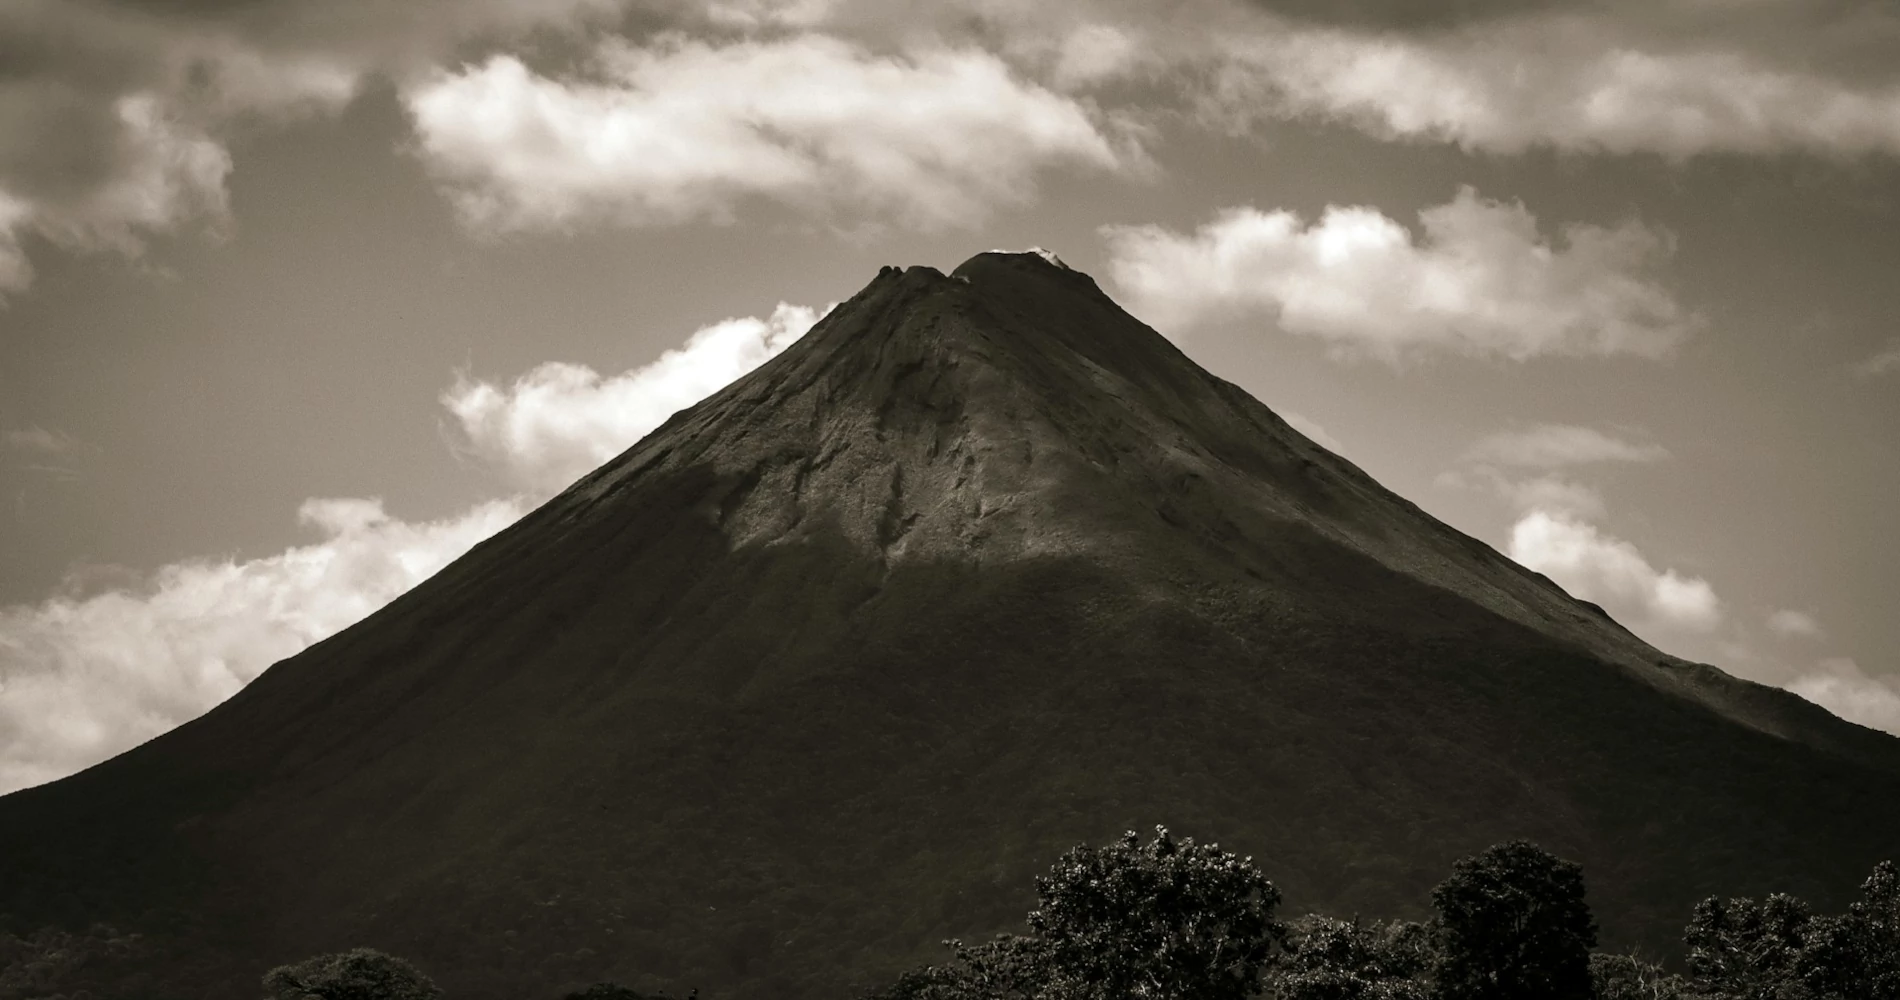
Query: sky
{"points": [[299, 299]]}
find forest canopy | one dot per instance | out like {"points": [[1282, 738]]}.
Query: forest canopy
{"points": [[1171, 919]]}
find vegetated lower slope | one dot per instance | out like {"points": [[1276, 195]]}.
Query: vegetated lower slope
{"points": [[823, 670]]}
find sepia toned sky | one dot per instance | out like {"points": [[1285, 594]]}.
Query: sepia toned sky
{"points": [[301, 298]]}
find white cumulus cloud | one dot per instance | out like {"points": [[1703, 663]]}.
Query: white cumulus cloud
{"points": [[560, 421], [1480, 280], [84, 678], [683, 129], [1610, 571]]}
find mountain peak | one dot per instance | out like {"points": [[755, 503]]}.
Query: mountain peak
{"points": [[980, 568]]}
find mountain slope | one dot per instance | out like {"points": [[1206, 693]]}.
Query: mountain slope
{"points": [[824, 669]]}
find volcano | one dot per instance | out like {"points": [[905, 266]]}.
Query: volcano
{"points": [[826, 668]]}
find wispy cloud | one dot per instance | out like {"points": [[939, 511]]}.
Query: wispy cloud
{"points": [[1553, 446], [1885, 361], [37, 440], [49, 453], [1674, 80], [682, 130], [1791, 624], [1481, 281]]}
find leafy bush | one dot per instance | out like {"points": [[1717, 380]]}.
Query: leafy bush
{"points": [[1165, 919], [1778, 949], [1858, 954], [1744, 949], [1514, 925], [357, 974], [1331, 959]]}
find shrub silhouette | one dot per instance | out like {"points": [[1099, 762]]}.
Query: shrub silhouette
{"points": [[1741, 948], [1514, 926], [1331, 959], [357, 974], [1164, 919]]}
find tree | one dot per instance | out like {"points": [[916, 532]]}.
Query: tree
{"points": [[1167, 919], [1331, 959], [357, 974], [1857, 955], [1747, 950], [1514, 926]]}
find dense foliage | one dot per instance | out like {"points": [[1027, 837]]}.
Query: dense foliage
{"points": [[1165, 919], [1512, 923], [357, 974], [1174, 920]]}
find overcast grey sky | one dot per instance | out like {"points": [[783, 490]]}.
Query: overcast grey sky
{"points": [[304, 297]]}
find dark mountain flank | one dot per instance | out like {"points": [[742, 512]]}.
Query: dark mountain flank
{"points": [[823, 670]]}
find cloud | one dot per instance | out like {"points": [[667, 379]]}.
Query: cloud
{"points": [[1678, 78], [1479, 281], [560, 421], [1526, 467], [1791, 624], [82, 679], [1314, 432], [1554, 532], [38, 440], [1840, 686], [1610, 571], [1674, 78], [1885, 361], [107, 118], [1552, 494], [682, 130], [1551, 446]]}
